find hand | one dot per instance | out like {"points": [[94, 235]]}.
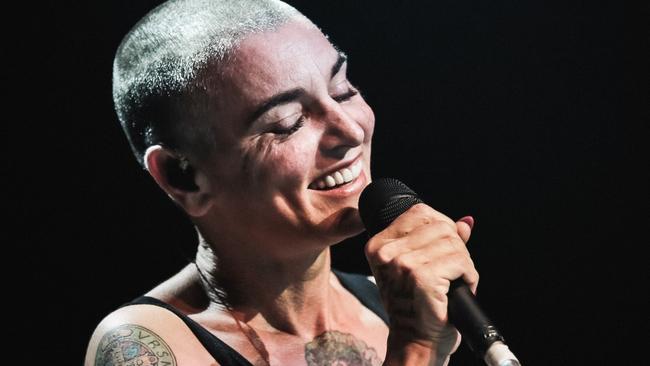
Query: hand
{"points": [[414, 260]]}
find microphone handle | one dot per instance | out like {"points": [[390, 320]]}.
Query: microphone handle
{"points": [[480, 334]]}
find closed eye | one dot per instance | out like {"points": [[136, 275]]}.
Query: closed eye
{"points": [[345, 96], [286, 131]]}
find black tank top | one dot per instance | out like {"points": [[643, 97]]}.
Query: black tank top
{"points": [[364, 290]]}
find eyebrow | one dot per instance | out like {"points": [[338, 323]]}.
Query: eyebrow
{"points": [[337, 65], [292, 94], [278, 99]]}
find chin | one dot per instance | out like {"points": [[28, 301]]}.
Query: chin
{"points": [[345, 224]]}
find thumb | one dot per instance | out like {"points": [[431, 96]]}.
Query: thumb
{"points": [[464, 226]]}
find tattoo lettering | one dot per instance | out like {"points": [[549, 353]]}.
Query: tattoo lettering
{"points": [[340, 349], [133, 345]]}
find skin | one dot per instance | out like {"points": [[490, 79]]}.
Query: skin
{"points": [[133, 344], [265, 172], [276, 278]]}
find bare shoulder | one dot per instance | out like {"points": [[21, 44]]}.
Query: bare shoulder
{"points": [[145, 335]]}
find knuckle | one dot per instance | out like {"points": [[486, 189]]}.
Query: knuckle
{"points": [[450, 227], [444, 227], [382, 255], [446, 244], [469, 265], [471, 277], [425, 220], [402, 264], [407, 268], [449, 242], [475, 276], [368, 248], [420, 209], [410, 274], [398, 263], [461, 247], [461, 260], [372, 247]]}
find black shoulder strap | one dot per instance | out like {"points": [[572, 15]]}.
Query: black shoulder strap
{"points": [[358, 285], [222, 353], [364, 290]]}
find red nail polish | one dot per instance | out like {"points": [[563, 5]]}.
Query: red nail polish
{"points": [[469, 220]]}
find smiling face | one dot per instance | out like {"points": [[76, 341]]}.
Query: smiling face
{"points": [[293, 141]]}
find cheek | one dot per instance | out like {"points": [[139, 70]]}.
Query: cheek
{"points": [[281, 164]]}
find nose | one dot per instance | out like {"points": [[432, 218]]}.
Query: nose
{"points": [[341, 132]]}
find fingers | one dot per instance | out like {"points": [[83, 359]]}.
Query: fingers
{"points": [[464, 226], [417, 227], [424, 236], [381, 251], [413, 218], [414, 260], [442, 264], [425, 258]]}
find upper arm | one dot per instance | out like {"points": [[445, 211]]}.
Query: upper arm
{"points": [[132, 343], [145, 335]]}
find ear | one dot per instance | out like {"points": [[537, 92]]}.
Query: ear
{"points": [[184, 184]]}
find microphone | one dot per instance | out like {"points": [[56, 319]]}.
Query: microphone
{"points": [[381, 202]]}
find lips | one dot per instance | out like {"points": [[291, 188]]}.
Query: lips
{"points": [[339, 177]]}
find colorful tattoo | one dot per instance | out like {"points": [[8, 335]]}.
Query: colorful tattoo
{"points": [[133, 345]]}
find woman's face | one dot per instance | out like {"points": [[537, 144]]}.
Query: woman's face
{"points": [[293, 141]]}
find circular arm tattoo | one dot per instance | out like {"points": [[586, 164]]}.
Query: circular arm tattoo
{"points": [[133, 345]]}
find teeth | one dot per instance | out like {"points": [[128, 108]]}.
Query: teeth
{"points": [[356, 169], [329, 181], [338, 177], [347, 175], [342, 176]]}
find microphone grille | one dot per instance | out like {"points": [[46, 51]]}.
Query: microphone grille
{"points": [[382, 201]]}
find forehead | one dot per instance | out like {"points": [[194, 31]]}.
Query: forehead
{"points": [[288, 57]]}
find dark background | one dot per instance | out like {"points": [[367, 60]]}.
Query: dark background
{"points": [[516, 112]]}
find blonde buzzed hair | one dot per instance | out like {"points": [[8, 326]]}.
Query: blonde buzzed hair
{"points": [[160, 85]]}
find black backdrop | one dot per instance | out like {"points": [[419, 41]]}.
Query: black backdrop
{"points": [[513, 112]]}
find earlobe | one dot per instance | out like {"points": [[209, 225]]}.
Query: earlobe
{"points": [[184, 184]]}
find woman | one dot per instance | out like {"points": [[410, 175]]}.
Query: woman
{"points": [[242, 113]]}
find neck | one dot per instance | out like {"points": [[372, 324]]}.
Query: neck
{"points": [[292, 295]]}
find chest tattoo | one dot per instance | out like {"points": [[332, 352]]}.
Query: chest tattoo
{"points": [[334, 348]]}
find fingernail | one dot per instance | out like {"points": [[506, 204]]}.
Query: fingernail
{"points": [[469, 220]]}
